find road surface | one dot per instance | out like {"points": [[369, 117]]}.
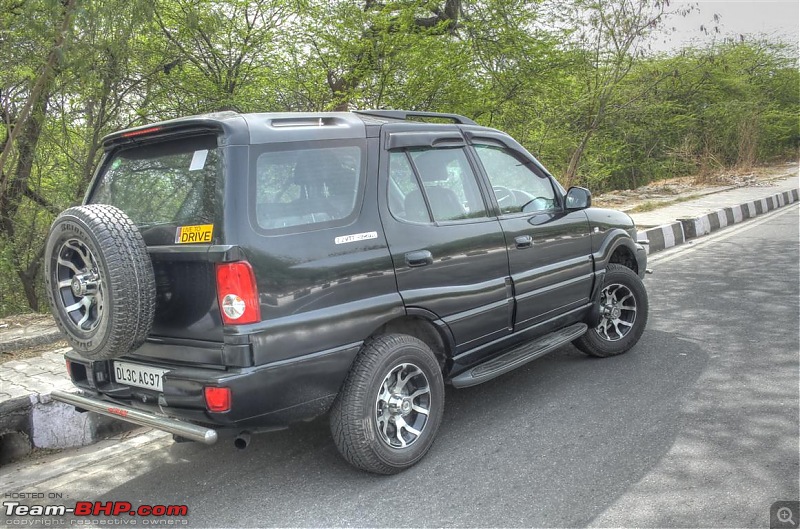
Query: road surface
{"points": [[696, 426]]}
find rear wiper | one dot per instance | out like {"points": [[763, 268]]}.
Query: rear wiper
{"points": [[153, 224]]}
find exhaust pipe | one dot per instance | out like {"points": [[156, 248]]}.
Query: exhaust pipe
{"points": [[242, 440]]}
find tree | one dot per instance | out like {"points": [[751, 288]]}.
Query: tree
{"points": [[22, 135], [79, 95], [365, 53], [573, 81], [222, 52], [611, 39]]}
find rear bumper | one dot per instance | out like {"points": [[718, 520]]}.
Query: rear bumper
{"points": [[266, 396]]}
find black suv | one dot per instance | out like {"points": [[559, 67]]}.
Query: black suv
{"points": [[241, 272]]}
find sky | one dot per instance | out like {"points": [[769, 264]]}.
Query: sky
{"points": [[773, 18]]}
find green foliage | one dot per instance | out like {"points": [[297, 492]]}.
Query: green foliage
{"points": [[573, 81]]}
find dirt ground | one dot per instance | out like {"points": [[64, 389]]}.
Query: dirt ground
{"points": [[24, 320], [31, 352], [682, 188]]}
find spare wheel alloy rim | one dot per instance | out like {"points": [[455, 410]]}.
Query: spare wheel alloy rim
{"points": [[79, 286]]}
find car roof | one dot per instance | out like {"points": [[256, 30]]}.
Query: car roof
{"points": [[270, 127]]}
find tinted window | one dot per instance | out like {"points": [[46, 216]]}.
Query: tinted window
{"points": [[450, 186], [404, 189], [306, 186], [516, 186], [172, 182]]}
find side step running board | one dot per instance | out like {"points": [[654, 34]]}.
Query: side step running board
{"points": [[518, 356]]}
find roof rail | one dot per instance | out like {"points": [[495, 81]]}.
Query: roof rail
{"points": [[405, 114]]}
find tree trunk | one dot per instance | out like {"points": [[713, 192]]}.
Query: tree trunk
{"points": [[575, 160], [28, 280], [41, 86], [23, 138], [10, 202], [26, 146], [577, 154]]}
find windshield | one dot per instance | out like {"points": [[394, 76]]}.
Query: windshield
{"points": [[176, 182]]}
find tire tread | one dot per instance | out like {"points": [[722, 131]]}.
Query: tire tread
{"points": [[349, 432], [131, 290], [591, 344]]}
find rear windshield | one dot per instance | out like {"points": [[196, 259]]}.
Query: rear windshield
{"points": [[176, 182]]}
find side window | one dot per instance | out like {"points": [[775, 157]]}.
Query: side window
{"points": [[405, 197], [516, 187], [449, 184], [306, 186]]}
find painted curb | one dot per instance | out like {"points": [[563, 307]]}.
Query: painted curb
{"points": [[684, 229], [37, 421]]}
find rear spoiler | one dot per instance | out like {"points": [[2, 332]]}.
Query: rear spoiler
{"points": [[230, 123]]}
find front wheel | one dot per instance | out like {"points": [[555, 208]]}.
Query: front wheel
{"points": [[623, 314], [386, 416]]}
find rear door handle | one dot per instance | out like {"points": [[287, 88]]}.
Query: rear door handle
{"points": [[523, 241], [419, 258]]}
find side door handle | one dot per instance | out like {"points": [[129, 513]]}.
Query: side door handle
{"points": [[419, 258], [523, 241]]}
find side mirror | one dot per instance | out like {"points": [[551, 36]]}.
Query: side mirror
{"points": [[579, 198]]}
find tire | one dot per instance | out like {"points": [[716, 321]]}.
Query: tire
{"points": [[625, 297], [99, 281], [364, 417]]}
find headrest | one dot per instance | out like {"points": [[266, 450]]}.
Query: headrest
{"points": [[432, 164], [315, 166]]}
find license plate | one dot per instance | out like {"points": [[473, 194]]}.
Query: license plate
{"points": [[139, 375]]}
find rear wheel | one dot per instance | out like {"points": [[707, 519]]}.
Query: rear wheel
{"points": [[99, 281], [623, 314], [386, 416]]}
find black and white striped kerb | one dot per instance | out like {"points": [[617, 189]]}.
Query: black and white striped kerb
{"points": [[663, 237], [673, 234]]}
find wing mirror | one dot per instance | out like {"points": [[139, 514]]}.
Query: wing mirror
{"points": [[579, 198]]}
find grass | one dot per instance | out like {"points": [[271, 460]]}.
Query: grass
{"points": [[650, 205]]}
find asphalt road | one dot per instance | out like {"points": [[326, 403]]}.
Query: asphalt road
{"points": [[696, 426]]}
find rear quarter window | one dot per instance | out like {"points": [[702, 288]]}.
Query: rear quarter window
{"points": [[301, 188]]}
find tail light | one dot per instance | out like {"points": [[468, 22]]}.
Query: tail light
{"points": [[237, 293], [140, 132], [217, 399]]}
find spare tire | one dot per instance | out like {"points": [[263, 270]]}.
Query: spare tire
{"points": [[99, 281]]}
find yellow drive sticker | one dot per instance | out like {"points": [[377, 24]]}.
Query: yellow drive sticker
{"points": [[190, 234]]}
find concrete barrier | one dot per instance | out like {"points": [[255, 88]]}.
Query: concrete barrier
{"points": [[684, 229]]}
